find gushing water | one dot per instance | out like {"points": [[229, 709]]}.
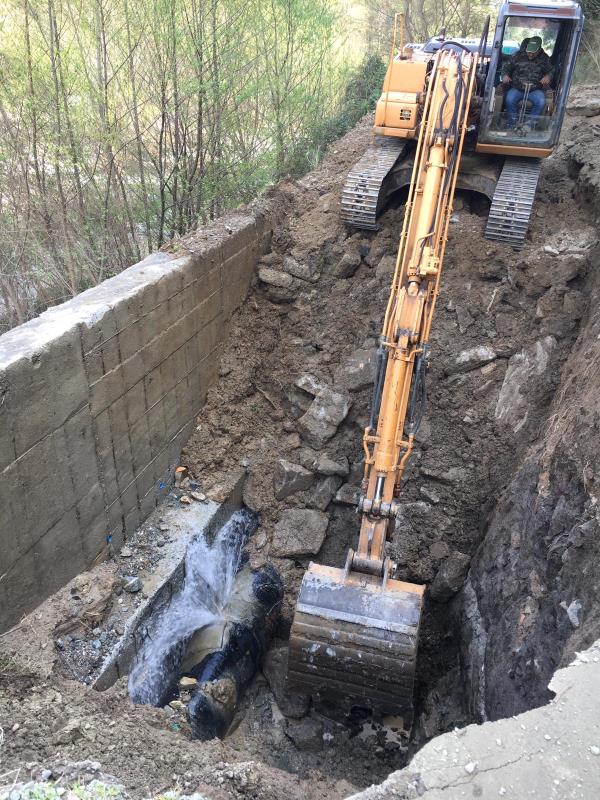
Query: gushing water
{"points": [[210, 572]]}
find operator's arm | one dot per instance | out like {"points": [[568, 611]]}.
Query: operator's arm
{"points": [[509, 69], [547, 66]]}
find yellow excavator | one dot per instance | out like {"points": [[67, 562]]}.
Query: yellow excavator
{"points": [[353, 642]]}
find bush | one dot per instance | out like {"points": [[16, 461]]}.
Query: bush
{"points": [[360, 96]]}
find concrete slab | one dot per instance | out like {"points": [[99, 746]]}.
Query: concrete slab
{"points": [[549, 753]]}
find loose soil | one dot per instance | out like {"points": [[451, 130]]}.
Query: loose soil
{"points": [[465, 463]]}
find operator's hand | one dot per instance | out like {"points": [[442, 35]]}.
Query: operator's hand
{"points": [[545, 80], [506, 80]]}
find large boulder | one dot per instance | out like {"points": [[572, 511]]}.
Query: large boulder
{"points": [[475, 357], [290, 478], [358, 372], [299, 532], [326, 465], [324, 416], [306, 734], [450, 576], [322, 492], [512, 408]]}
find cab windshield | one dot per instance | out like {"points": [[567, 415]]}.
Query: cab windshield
{"points": [[523, 105]]}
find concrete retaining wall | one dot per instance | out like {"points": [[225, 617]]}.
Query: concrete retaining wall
{"points": [[97, 398]]}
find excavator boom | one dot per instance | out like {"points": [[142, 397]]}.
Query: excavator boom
{"points": [[354, 637]]}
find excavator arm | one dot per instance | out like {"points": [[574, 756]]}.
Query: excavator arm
{"points": [[354, 637]]}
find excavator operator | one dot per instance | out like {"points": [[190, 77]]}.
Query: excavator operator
{"points": [[528, 73]]}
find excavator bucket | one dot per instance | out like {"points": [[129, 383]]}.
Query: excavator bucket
{"points": [[353, 642]]}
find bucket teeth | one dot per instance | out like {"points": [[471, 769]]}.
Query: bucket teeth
{"points": [[353, 644]]}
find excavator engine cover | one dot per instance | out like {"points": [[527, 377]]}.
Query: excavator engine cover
{"points": [[353, 642]]}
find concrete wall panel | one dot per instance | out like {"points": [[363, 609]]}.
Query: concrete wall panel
{"points": [[97, 398]]}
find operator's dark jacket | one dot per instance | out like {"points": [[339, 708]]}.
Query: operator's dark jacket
{"points": [[521, 70]]}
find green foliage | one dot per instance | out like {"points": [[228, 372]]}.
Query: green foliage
{"points": [[125, 123], [363, 88]]}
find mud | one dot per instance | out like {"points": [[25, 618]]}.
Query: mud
{"points": [[499, 514]]}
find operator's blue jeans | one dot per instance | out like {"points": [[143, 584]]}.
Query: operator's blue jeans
{"points": [[513, 96]]}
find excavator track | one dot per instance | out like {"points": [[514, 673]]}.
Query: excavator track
{"points": [[511, 207], [362, 193]]}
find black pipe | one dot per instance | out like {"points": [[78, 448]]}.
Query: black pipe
{"points": [[249, 619]]}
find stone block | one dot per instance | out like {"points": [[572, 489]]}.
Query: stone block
{"points": [[133, 371], [104, 392], [62, 548], [145, 482], [129, 496], [157, 429], [132, 520], [208, 286], [171, 414], [140, 445], [41, 491], [90, 507], [7, 434], [94, 538], [171, 370], [82, 462], [147, 504], [153, 387], [152, 324], [135, 401], [11, 518], [42, 388]]}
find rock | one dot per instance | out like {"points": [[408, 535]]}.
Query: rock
{"points": [[291, 704], [326, 465], [386, 267], [450, 577], [185, 500], [464, 318], [359, 370], [198, 497], [439, 550], [323, 417], [430, 495], [299, 532], [178, 706], [473, 358], [449, 476], [290, 478], [271, 259], [347, 265], [309, 384], [163, 528], [306, 734], [347, 495], [132, 584], [583, 106], [279, 286], [276, 277], [559, 309], [573, 610], [307, 457], [322, 493], [187, 684], [126, 552], [301, 394], [512, 407]]}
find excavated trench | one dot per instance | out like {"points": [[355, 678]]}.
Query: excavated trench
{"points": [[499, 501]]}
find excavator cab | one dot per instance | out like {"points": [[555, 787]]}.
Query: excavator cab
{"points": [[559, 26]]}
